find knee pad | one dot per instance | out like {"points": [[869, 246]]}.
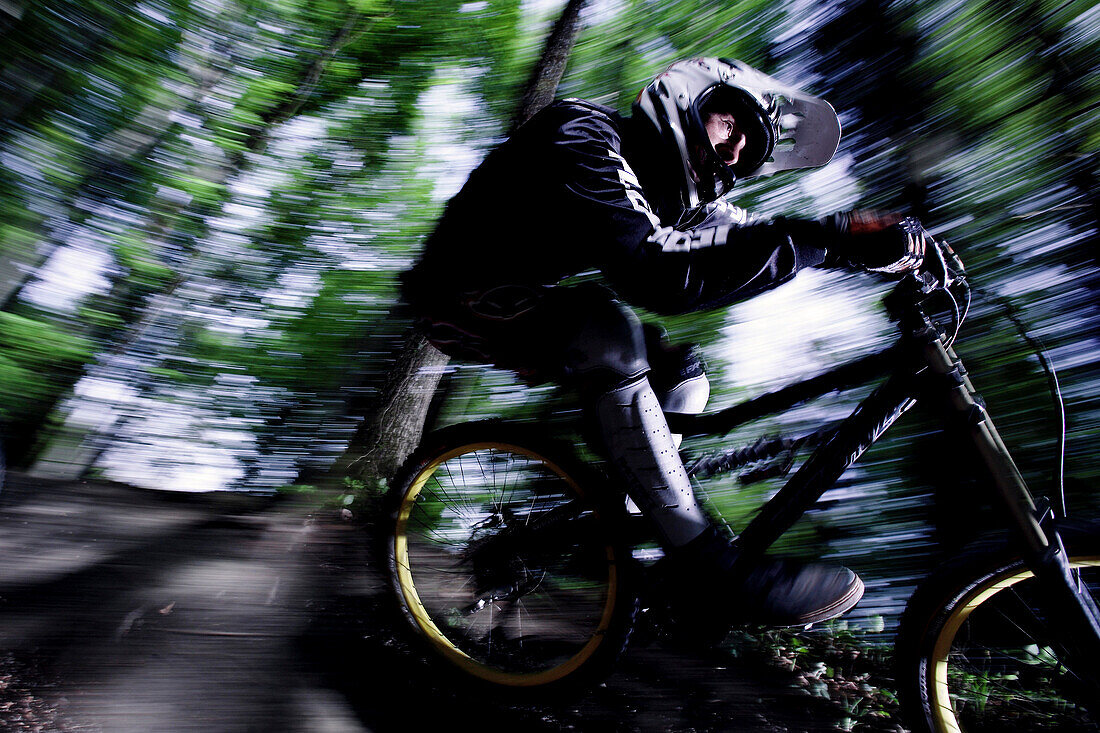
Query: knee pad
{"points": [[605, 342]]}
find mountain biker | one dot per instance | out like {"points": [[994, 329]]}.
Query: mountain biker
{"points": [[580, 188]]}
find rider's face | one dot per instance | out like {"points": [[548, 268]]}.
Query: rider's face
{"points": [[725, 136]]}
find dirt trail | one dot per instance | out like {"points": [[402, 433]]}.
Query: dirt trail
{"points": [[127, 610]]}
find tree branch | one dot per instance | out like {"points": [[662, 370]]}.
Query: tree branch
{"points": [[547, 74]]}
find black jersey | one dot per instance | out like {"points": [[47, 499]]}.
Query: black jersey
{"points": [[561, 197]]}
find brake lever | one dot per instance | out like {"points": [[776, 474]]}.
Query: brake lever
{"points": [[934, 272], [956, 262]]}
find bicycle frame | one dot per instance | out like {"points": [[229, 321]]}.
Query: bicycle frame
{"points": [[532, 530], [923, 357]]}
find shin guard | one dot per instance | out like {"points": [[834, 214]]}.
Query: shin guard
{"points": [[641, 447]]}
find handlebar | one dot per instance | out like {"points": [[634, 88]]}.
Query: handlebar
{"points": [[940, 275]]}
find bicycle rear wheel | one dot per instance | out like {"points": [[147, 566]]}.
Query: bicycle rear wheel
{"points": [[503, 562], [976, 652]]}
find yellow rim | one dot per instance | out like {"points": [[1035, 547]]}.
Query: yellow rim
{"points": [[423, 619], [943, 710]]}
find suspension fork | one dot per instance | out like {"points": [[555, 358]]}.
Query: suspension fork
{"points": [[967, 405], [1078, 623]]}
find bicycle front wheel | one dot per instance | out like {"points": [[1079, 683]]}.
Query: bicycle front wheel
{"points": [[504, 564], [976, 651]]}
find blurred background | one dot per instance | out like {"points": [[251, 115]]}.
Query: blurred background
{"points": [[204, 205]]}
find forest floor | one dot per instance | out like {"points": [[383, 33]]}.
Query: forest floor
{"points": [[130, 610]]}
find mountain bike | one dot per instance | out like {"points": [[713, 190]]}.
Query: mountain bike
{"points": [[517, 561]]}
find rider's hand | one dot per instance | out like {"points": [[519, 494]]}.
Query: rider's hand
{"points": [[879, 242], [867, 221]]}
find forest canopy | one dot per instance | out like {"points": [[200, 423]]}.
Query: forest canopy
{"points": [[205, 205]]}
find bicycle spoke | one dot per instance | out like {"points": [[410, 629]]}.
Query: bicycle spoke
{"points": [[446, 497], [462, 474], [489, 565]]}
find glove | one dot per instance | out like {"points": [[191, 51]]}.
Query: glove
{"points": [[878, 242]]}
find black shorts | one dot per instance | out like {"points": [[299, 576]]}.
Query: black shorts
{"points": [[563, 334]]}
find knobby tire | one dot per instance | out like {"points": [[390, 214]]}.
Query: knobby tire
{"points": [[975, 651]]}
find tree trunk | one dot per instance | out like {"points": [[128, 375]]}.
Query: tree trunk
{"points": [[395, 423], [393, 429]]}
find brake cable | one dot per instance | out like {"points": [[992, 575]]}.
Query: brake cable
{"points": [[1033, 341], [1052, 384]]}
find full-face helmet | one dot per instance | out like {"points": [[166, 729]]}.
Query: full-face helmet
{"points": [[785, 129]]}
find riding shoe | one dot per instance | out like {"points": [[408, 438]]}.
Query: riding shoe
{"points": [[770, 591]]}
